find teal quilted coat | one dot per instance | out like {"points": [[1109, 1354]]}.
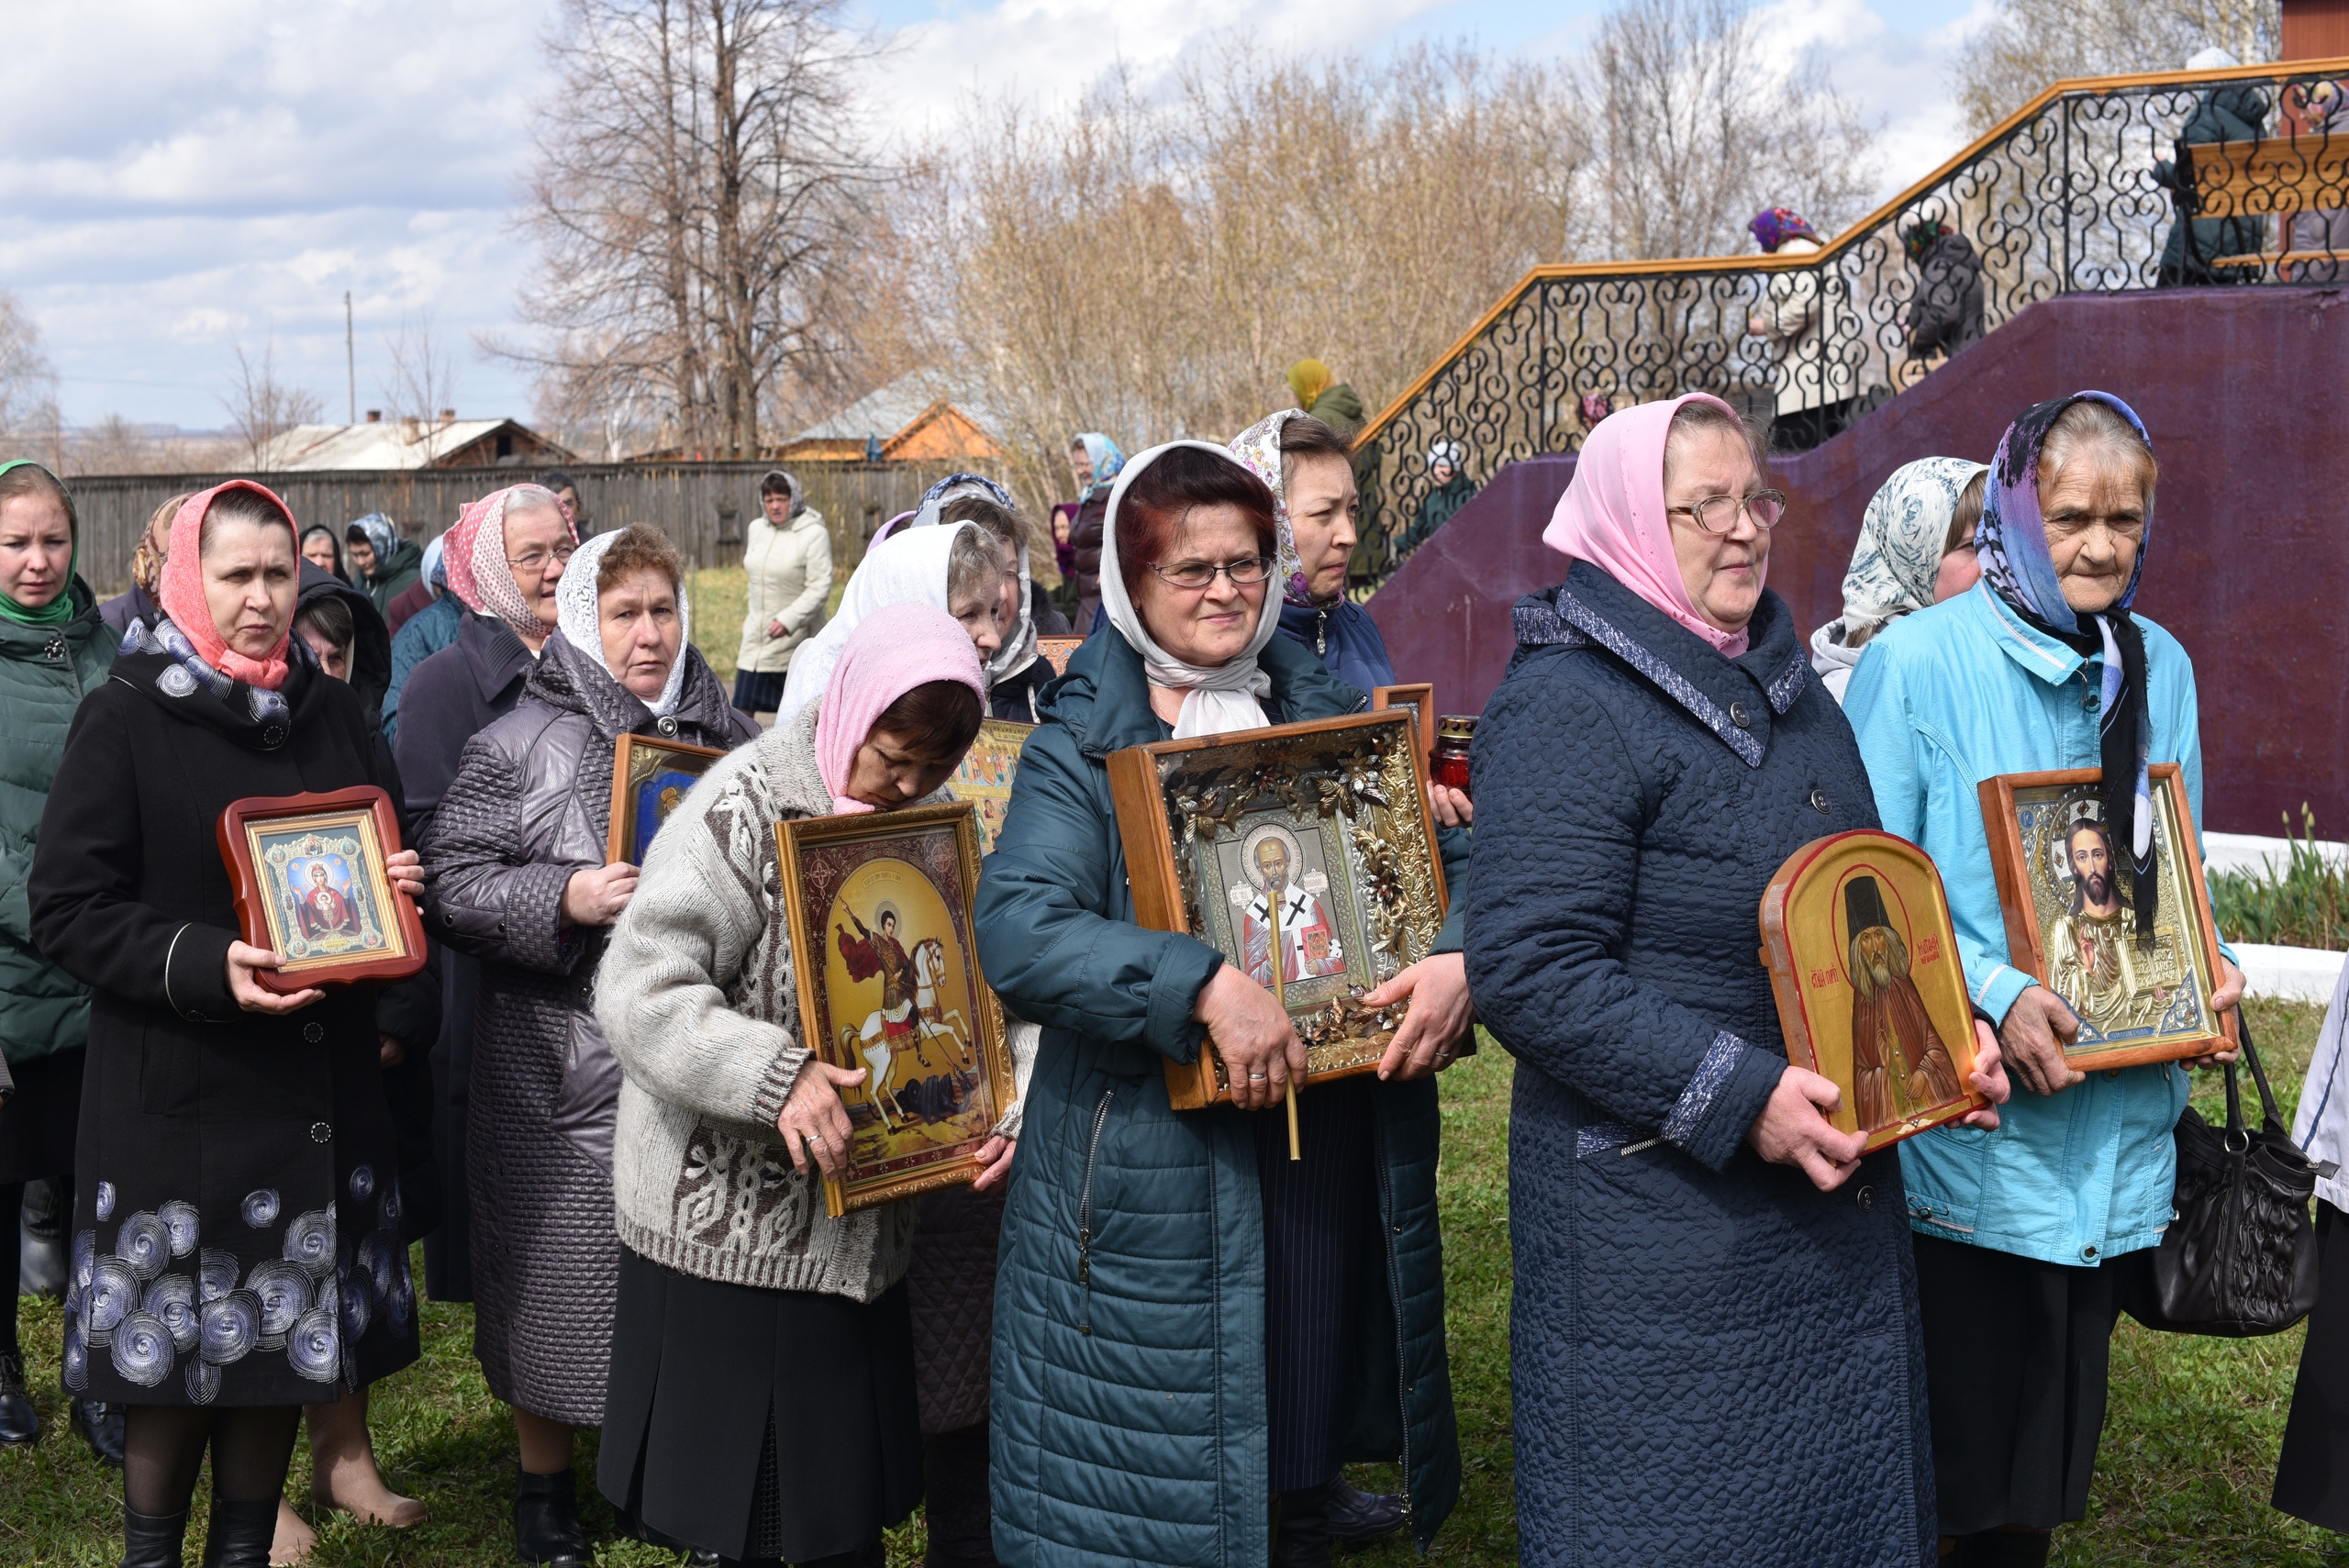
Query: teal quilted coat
{"points": [[44, 671], [1129, 1411]]}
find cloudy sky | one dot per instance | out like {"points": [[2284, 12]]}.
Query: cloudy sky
{"points": [[193, 175]]}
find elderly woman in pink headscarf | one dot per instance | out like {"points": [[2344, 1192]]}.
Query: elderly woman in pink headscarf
{"points": [[1716, 1353], [762, 1402]]}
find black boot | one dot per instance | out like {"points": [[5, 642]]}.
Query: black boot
{"points": [[19, 1422], [1357, 1518], [546, 1520], [240, 1533], [2002, 1549], [101, 1426], [1302, 1537], [152, 1540]]}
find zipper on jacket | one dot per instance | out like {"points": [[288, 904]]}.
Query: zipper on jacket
{"points": [[1085, 1210], [1395, 1291]]}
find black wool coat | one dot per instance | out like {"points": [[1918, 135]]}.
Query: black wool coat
{"points": [[1712, 1361], [237, 1202]]}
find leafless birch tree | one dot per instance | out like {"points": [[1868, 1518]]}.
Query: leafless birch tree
{"points": [[700, 174]]}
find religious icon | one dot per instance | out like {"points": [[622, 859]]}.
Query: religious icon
{"points": [[2068, 892], [310, 884], [1054, 650], [1308, 847], [986, 773], [649, 779], [1863, 960], [879, 909]]}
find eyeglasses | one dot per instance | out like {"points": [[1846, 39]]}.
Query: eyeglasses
{"points": [[1245, 573], [536, 561], [1718, 513]]}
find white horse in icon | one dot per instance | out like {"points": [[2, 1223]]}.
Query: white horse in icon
{"points": [[936, 1020], [872, 1043]]}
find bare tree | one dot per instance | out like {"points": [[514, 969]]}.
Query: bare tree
{"points": [[28, 384], [260, 408], [1698, 129], [421, 380], [2032, 44], [700, 178]]}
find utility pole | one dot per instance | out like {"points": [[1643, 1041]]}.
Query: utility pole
{"points": [[350, 356]]}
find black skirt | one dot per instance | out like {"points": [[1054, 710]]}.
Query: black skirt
{"points": [[2016, 1357], [38, 1123], [759, 1423], [2312, 1473], [758, 691]]}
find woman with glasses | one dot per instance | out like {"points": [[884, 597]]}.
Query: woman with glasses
{"points": [[1715, 1348], [1173, 1277], [517, 880], [1915, 548], [2030, 1240]]}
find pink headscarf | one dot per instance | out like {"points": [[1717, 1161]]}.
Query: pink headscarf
{"points": [[181, 592], [892, 650], [474, 555], [1612, 515]]}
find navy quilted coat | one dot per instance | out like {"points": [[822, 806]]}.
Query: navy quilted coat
{"points": [[1129, 1382], [1712, 1361]]}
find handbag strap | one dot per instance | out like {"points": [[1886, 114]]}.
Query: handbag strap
{"points": [[2258, 1076]]}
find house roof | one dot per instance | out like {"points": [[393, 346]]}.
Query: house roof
{"points": [[891, 413], [394, 444]]}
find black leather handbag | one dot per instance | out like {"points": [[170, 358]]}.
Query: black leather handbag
{"points": [[2239, 1258]]}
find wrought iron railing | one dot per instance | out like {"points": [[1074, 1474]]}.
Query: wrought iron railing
{"points": [[2102, 185]]}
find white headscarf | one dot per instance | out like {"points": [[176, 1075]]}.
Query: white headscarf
{"points": [[1215, 701], [1019, 649], [907, 568], [577, 615]]}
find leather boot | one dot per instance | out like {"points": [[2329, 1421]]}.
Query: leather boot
{"points": [[1357, 1518], [1301, 1539], [2002, 1549], [19, 1422], [546, 1520], [102, 1427], [240, 1534], [152, 1540]]}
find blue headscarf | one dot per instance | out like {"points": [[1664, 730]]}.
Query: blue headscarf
{"points": [[1107, 462], [2011, 544]]}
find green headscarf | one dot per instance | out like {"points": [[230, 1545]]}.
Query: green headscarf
{"points": [[58, 610]]}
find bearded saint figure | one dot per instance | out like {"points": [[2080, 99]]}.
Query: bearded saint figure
{"points": [[2088, 951], [1898, 1063], [1310, 945]]}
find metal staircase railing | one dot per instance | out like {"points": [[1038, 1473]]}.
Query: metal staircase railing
{"points": [[2066, 196]]}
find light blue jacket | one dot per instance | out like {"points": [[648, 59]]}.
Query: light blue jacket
{"points": [[1941, 700]]}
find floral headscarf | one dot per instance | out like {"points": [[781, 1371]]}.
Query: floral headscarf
{"points": [[1258, 446], [1899, 549], [1106, 460], [1773, 226], [2011, 544]]}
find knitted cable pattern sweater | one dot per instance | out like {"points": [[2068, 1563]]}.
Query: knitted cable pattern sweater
{"points": [[698, 999]]}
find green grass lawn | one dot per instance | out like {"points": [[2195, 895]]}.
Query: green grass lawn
{"points": [[720, 598], [2190, 1446]]}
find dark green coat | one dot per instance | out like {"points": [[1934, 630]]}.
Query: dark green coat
{"points": [[397, 576], [43, 673], [1129, 1419]]}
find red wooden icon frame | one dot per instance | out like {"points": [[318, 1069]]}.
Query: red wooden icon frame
{"points": [[236, 853]]}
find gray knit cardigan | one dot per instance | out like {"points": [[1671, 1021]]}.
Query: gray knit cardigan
{"points": [[697, 996]]}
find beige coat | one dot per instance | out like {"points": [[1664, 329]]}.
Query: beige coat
{"points": [[1813, 368], [790, 572]]}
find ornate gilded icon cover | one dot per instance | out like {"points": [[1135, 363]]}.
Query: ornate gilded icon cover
{"points": [[1863, 964], [2072, 923], [1331, 819], [987, 768], [308, 878]]}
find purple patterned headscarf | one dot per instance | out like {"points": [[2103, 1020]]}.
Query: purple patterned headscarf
{"points": [[2011, 544], [1773, 226]]}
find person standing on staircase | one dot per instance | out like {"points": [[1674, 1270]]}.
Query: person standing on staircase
{"points": [[1815, 384]]}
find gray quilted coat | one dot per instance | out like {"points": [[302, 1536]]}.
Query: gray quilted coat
{"points": [[1712, 1361], [530, 805]]}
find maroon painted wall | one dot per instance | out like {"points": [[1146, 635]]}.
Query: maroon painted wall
{"points": [[2245, 393]]}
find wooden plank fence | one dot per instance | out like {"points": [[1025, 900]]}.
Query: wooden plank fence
{"points": [[702, 507]]}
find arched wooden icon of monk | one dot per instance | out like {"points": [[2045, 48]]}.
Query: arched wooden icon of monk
{"points": [[1900, 1065]]}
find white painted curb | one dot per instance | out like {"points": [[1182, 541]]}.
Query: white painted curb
{"points": [[2252, 855], [2289, 974]]}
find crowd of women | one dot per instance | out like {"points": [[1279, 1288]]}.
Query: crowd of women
{"points": [[1139, 1335]]}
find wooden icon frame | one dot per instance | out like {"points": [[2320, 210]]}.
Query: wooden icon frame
{"points": [[2020, 860], [1419, 698], [263, 837], [637, 759]]}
